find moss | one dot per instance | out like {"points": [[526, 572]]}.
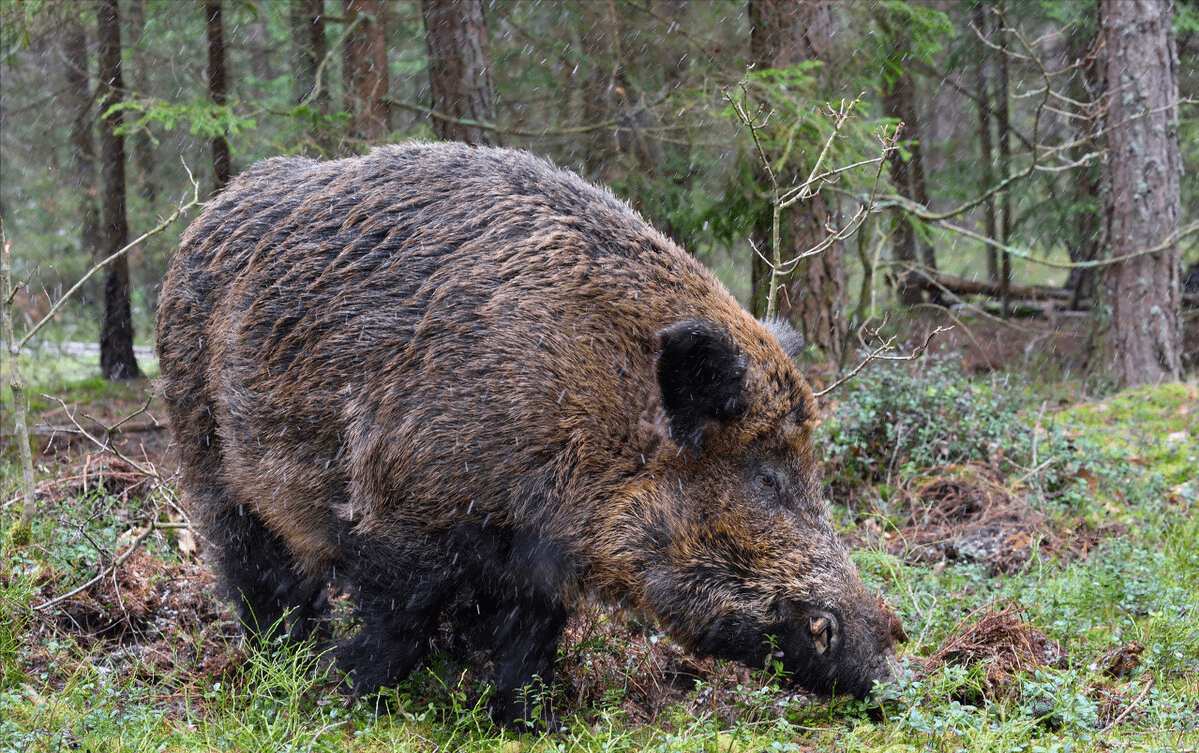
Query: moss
{"points": [[1155, 427], [19, 535]]}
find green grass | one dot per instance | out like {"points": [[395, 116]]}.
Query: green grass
{"points": [[1124, 465]]}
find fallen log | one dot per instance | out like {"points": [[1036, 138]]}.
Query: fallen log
{"points": [[962, 286]]}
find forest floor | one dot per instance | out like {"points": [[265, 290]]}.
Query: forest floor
{"points": [[1049, 590]]}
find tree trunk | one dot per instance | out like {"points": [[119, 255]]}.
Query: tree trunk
{"points": [[603, 79], [143, 144], [364, 69], [768, 22], [218, 90], [1086, 241], [817, 288], [83, 152], [1142, 335], [1004, 127], [982, 22], [310, 48], [813, 295], [899, 102], [459, 63], [116, 334]]}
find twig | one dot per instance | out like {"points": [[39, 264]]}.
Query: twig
{"points": [[323, 730], [1032, 473], [179, 210], [1174, 238], [17, 386], [1036, 431], [505, 130], [876, 355], [107, 445], [1124, 714], [958, 323], [318, 76], [151, 526]]}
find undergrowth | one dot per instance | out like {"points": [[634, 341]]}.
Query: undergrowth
{"points": [[1071, 624]]}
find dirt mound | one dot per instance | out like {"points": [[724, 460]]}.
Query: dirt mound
{"points": [[964, 513], [999, 638]]}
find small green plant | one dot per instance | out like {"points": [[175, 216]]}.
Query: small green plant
{"points": [[892, 420], [272, 701], [16, 597]]}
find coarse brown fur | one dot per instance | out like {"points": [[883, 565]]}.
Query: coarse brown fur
{"points": [[461, 382]]}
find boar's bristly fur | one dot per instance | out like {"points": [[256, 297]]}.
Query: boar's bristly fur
{"points": [[462, 384]]}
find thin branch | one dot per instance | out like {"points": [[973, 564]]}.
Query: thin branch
{"points": [[803, 191], [318, 77], [151, 526], [1002, 185], [751, 123], [1177, 237], [16, 385], [957, 322], [787, 267], [778, 269], [1124, 714], [504, 130], [877, 355], [179, 210], [106, 444]]}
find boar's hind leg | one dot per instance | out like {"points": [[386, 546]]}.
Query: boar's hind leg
{"points": [[397, 626], [522, 635], [256, 570]]}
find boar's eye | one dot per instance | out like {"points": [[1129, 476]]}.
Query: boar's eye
{"points": [[768, 485]]}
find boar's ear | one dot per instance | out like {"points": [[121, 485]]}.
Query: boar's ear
{"points": [[700, 369], [782, 330]]}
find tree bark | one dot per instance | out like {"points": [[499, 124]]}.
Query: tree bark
{"points": [[813, 296], [982, 22], [899, 102], [459, 65], [364, 69], [116, 334], [603, 87], [768, 22], [144, 152], [817, 289], [1004, 128], [1086, 241], [1142, 333], [218, 90], [310, 48], [83, 152]]}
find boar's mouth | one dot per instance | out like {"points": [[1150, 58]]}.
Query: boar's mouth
{"points": [[824, 651], [819, 649]]}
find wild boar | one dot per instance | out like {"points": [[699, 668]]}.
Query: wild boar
{"points": [[458, 382]]}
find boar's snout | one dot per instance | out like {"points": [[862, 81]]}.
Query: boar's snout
{"points": [[831, 652]]}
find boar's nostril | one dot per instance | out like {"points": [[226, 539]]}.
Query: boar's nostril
{"points": [[823, 627]]}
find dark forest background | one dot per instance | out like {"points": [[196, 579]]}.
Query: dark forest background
{"points": [[1004, 160]]}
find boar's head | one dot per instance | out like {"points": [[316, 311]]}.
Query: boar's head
{"points": [[729, 543]]}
